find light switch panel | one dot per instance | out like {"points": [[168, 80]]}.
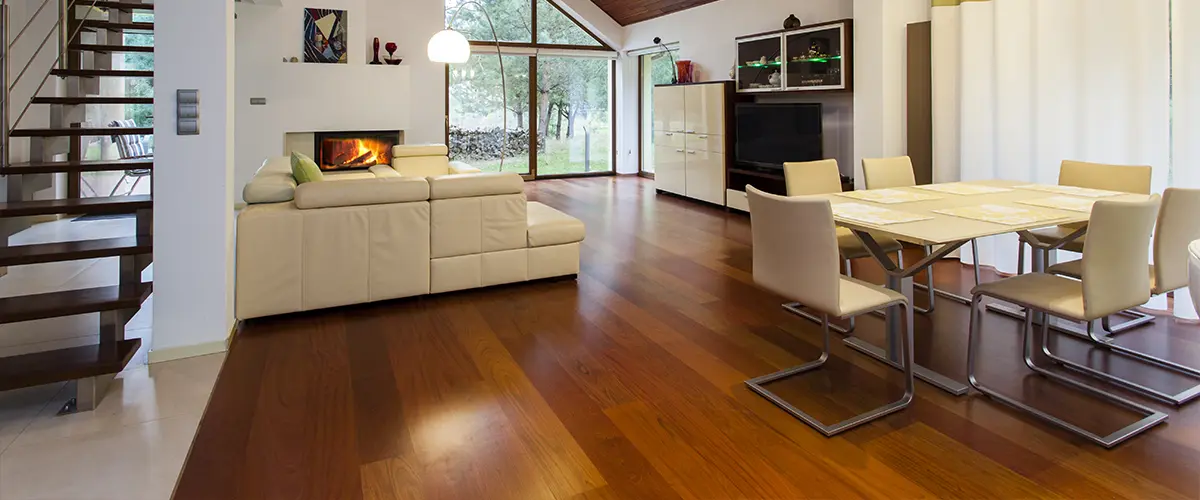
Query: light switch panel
{"points": [[258, 101], [187, 112]]}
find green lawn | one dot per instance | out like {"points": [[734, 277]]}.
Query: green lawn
{"points": [[556, 160]]}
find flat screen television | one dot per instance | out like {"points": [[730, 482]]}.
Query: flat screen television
{"points": [[770, 134]]}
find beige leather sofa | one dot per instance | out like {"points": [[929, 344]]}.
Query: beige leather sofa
{"points": [[380, 235]]}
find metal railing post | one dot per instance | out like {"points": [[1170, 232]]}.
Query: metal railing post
{"points": [[4, 104]]}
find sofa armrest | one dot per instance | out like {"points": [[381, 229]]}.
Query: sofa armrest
{"points": [[361, 192], [458, 167], [384, 171], [272, 183]]}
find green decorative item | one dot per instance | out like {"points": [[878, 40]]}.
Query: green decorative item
{"points": [[304, 169]]}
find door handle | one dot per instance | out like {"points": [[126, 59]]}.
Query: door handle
{"points": [[678, 150], [691, 152]]}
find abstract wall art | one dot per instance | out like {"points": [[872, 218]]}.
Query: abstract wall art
{"points": [[325, 36]]}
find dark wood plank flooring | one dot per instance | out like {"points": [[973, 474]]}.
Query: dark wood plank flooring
{"points": [[627, 383]]}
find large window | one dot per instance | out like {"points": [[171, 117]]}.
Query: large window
{"points": [[656, 69], [559, 105]]}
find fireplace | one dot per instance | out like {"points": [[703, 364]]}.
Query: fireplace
{"points": [[337, 151]]}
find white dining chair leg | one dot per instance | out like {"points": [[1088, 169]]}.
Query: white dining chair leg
{"points": [[1152, 417], [757, 384], [118, 185]]}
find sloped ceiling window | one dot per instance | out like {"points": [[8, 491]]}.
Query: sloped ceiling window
{"points": [[513, 19], [555, 28]]}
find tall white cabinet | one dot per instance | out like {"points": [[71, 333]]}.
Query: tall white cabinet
{"points": [[691, 140]]}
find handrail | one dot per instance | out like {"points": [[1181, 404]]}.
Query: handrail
{"points": [[57, 60]]}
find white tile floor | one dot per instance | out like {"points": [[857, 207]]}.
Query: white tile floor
{"points": [[134, 444]]}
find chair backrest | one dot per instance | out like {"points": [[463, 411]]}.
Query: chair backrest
{"points": [[812, 177], [421, 160], [129, 146], [1123, 178], [1177, 228], [1116, 256], [795, 248], [883, 173]]}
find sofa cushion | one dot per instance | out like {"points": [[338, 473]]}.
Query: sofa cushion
{"points": [[548, 226], [458, 167], [470, 185], [408, 150], [273, 183], [361, 192], [383, 171], [304, 169]]}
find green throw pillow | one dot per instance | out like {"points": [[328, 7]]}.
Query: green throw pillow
{"points": [[304, 169]]}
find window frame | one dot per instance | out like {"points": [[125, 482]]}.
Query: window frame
{"points": [[484, 47]]}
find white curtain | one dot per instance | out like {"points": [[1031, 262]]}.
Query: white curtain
{"points": [[1020, 85]]}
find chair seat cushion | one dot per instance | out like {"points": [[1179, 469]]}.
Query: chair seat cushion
{"points": [[851, 247], [1056, 295], [548, 227], [1074, 269], [857, 297], [1050, 235]]}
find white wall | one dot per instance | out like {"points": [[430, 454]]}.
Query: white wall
{"points": [[353, 96], [880, 64], [193, 191], [705, 35]]}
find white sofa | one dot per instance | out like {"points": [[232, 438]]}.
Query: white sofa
{"points": [[379, 235]]}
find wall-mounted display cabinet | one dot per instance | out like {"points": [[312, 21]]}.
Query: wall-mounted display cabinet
{"points": [[809, 58]]}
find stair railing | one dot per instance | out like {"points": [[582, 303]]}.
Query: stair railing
{"points": [[65, 34]]}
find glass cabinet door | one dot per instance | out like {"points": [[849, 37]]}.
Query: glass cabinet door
{"points": [[815, 58], [760, 64]]}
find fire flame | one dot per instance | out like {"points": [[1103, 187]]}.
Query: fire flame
{"points": [[362, 150]]}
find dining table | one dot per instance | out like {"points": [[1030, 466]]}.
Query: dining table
{"points": [[944, 217]]}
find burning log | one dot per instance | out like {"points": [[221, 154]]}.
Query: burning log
{"points": [[361, 159]]}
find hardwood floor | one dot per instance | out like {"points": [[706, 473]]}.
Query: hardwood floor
{"points": [[627, 383]]}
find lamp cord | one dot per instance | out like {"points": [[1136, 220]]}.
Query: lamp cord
{"points": [[673, 65], [503, 82]]}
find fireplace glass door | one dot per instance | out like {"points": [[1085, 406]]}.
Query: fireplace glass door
{"points": [[339, 151]]}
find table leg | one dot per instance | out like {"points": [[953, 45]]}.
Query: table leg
{"points": [[901, 280]]}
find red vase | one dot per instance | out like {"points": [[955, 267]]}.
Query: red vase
{"points": [[684, 68]]}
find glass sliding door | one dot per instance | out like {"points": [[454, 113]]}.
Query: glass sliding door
{"points": [[476, 117], [656, 69], [574, 110]]}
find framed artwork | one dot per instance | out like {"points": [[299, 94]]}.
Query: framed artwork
{"points": [[325, 36]]}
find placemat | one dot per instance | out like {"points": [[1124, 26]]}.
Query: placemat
{"points": [[1063, 203], [1002, 214], [874, 215], [962, 188], [889, 196], [1071, 190]]}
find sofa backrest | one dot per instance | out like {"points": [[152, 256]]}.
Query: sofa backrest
{"points": [[373, 191], [412, 160], [476, 213]]}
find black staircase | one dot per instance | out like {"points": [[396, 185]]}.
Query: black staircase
{"points": [[90, 36]]}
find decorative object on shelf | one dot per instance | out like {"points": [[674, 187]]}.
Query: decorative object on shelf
{"points": [[391, 57], [285, 59], [683, 68], [774, 79], [675, 77], [791, 22], [733, 72], [778, 59], [763, 60], [325, 36], [449, 46], [375, 45], [295, 59]]}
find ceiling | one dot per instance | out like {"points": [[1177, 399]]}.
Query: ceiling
{"points": [[627, 12]]}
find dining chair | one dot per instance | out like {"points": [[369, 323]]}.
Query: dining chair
{"points": [[824, 177], [130, 147], [1133, 179], [796, 255], [886, 173], [1175, 229], [1114, 278]]}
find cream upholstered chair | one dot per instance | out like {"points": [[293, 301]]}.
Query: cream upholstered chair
{"points": [[824, 177], [1176, 228], [1114, 278], [886, 173], [796, 255], [1122, 178]]}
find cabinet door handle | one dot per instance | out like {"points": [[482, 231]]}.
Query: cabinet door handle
{"points": [[668, 134], [702, 137], [690, 131], [678, 150], [691, 152]]}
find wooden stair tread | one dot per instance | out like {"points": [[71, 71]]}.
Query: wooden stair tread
{"points": [[71, 302], [60, 365], [116, 73], [110, 25], [80, 131], [124, 5], [75, 250], [50, 167], [93, 100], [94, 47], [88, 206]]}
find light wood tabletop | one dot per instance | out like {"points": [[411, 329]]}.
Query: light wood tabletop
{"points": [[941, 229]]}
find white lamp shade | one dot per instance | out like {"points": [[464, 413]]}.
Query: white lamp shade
{"points": [[449, 46]]}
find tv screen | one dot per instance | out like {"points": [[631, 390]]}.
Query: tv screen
{"points": [[770, 134]]}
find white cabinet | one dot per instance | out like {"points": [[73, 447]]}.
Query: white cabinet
{"points": [[689, 140]]}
